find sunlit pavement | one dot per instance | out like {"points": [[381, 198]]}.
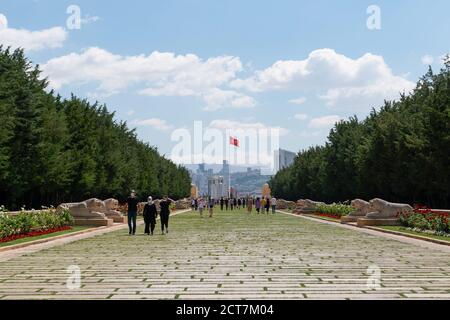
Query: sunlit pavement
{"points": [[231, 256]]}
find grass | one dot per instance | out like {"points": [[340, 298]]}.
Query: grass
{"points": [[422, 234], [44, 236]]}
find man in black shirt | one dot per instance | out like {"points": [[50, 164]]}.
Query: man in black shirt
{"points": [[165, 212], [132, 202]]}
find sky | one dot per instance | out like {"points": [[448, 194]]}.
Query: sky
{"points": [[293, 66]]}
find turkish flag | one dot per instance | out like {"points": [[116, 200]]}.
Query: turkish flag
{"points": [[234, 142]]}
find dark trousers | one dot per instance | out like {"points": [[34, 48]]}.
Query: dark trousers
{"points": [[132, 215], [149, 226], [164, 221]]}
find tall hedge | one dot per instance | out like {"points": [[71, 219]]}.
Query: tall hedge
{"points": [[55, 150], [400, 153]]}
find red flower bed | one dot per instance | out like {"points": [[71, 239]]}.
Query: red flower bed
{"points": [[33, 234], [327, 215]]}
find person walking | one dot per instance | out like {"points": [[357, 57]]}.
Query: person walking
{"points": [[150, 214], [193, 204], [267, 205], [231, 204], [196, 204], [132, 203], [211, 207], [222, 202], [273, 202], [239, 203], [201, 206], [263, 205], [243, 203], [235, 203], [258, 205], [249, 205], [165, 213], [226, 203]]}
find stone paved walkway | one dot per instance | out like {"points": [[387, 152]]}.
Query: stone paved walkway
{"points": [[232, 256]]}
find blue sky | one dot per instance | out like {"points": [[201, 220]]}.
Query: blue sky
{"points": [[216, 61]]}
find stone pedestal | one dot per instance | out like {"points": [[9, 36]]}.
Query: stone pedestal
{"points": [[94, 222], [349, 219], [362, 222]]}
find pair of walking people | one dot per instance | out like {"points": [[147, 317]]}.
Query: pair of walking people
{"points": [[150, 214]]}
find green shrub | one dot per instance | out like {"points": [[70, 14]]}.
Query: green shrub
{"points": [[335, 209], [24, 222], [418, 221]]}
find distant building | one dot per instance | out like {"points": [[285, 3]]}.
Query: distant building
{"points": [[225, 172], [283, 159], [216, 187]]}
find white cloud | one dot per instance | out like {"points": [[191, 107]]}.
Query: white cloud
{"points": [[157, 74], [224, 124], [31, 40], [130, 113], [158, 124], [323, 122], [298, 101], [217, 99], [337, 79], [301, 116], [427, 60]]}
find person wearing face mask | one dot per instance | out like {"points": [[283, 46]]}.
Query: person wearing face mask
{"points": [[150, 214]]}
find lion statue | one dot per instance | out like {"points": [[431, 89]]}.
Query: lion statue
{"points": [[112, 211], [89, 209], [362, 208], [381, 209]]}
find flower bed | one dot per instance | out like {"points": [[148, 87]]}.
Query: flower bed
{"points": [[33, 234], [334, 211], [426, 220], [32, 223]]}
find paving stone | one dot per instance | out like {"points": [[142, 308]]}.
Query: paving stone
{"points": [[232, 256]]}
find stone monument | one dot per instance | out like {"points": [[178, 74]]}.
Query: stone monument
{"points": [[112, 212], [88, 213], [383, 213], [362, 208]]}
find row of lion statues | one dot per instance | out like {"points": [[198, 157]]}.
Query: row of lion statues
{"points": [[373, 209]]}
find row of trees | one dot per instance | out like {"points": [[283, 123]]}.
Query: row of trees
{"points": [[54, 150], [399, 153]]}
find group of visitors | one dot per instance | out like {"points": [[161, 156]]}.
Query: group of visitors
{"points": [[150, 214], [262, 205]]}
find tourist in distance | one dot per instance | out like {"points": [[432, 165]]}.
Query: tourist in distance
{"points": [[222, 202], [239, 203], [249, 205], [258, 205], [273, 202], [150, 214], [201, 206], [193, 204], [267, 205], [211, 207], [165, 213], [235, 203], [231, 204], [243, 203], [263, 204], [226, 203], [132, 203]]}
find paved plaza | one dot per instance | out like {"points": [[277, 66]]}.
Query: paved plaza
{"points": [[233, 256]]}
